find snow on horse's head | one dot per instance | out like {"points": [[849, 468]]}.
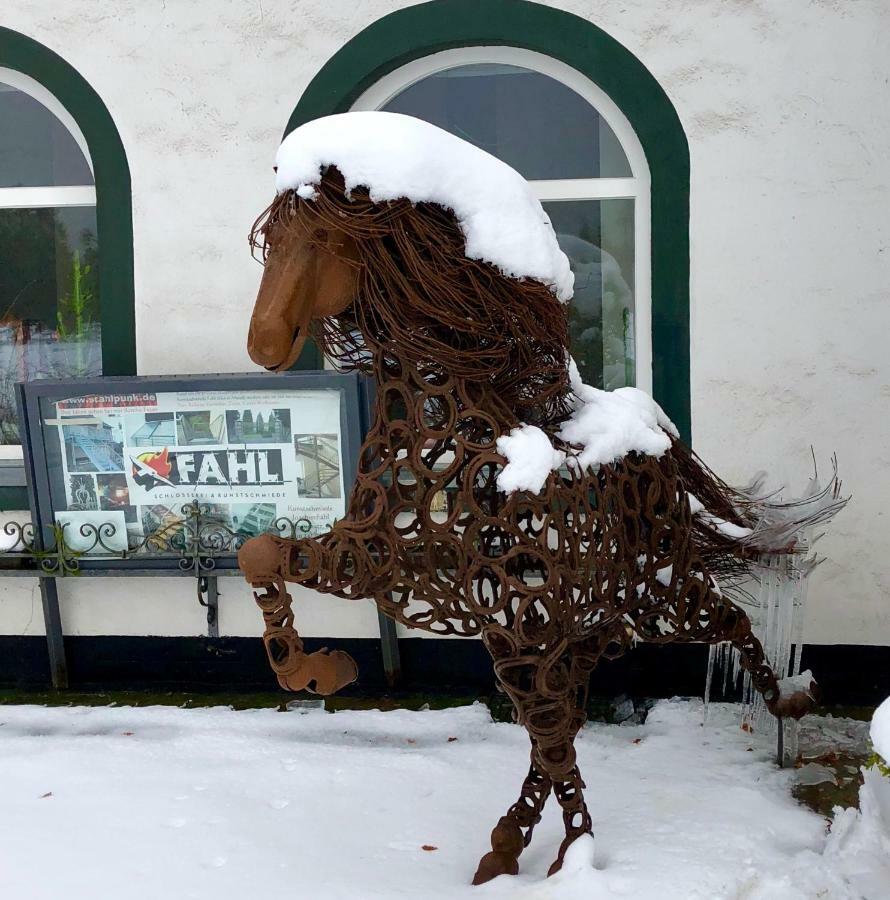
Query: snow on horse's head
{"points": [[361, 274]]}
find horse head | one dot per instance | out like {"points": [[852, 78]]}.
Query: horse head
{"points": [[361, 275], [311, 271]]}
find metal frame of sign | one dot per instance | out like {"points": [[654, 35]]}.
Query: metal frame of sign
{"points": [[355, 408], [31, 394]]}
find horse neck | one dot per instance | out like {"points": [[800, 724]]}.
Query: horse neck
{"points": [[433, 405]]}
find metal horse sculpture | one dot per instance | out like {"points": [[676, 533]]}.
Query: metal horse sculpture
{"points": [[553, 581]]}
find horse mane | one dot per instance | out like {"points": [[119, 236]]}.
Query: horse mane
{"points": [[448, 315]]}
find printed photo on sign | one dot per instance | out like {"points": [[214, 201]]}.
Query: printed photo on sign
{"points": [[114, 493], [204, 427], [150, 430], [175, 526], [92, 446], [82, 492], [249, 426], [252, 519], [319, 455]]}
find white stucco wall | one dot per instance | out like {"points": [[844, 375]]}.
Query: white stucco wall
{"points": [[784, 106]]}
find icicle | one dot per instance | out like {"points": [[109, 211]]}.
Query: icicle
{"points": [[777, 615], [712, 659]]}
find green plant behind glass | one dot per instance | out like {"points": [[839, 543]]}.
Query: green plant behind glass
{"points": [[75, 318]]}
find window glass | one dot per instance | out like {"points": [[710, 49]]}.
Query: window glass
{"points": [[36, 150], [533, 122], [549, 132], [49, 301], [598, 238]]}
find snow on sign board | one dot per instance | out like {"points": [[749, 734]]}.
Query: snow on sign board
{"points": [[248, 457], [398, 156]]}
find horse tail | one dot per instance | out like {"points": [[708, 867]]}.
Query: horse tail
{"points": [[733, 528]]}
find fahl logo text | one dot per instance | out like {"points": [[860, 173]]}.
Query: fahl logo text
{"points": [[207, 467]]}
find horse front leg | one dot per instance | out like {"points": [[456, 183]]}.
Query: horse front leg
{"points": [[513, 832], [267, 561], [549, 692]]}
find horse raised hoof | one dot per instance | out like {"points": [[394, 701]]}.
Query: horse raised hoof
{"points": [[321, 672], [796, 697]]}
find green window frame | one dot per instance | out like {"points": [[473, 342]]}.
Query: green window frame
{"points": [[114, 213], [427, 28]]}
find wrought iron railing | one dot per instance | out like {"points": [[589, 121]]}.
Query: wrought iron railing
{"points": [[192, 542]]}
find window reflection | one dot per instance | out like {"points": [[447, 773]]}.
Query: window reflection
{"points": [[36, 150], [49, 301], [597, 236], [531, 121]]}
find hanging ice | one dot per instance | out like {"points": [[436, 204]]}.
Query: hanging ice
{"points": [[776, 605]]}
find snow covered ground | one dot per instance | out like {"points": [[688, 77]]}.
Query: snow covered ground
{"points": [[212, 803]]}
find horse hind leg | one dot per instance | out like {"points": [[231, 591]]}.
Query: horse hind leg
{"points": [[718, 619], [554, 721], [568, 788], [736, 628], [513, 832]]}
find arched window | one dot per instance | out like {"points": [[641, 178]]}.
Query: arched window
{"points": [[619, 196], [50, 313], [584, 162], [66, 222]]}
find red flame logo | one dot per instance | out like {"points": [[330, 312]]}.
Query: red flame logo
{"points": [[160, 462]]}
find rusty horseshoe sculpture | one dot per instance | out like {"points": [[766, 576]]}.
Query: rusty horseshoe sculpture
{"points": [[552, 581]]}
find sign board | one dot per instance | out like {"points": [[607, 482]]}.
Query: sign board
{"points": [[128, 458]]}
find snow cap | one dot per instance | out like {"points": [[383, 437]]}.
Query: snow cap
{"points": [[604, 427], [396, 156], [610, 424], [530, 459]]}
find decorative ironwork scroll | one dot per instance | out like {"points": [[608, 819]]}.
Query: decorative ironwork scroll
{"points": [[194, 541]]}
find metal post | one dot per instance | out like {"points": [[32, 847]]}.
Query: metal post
{"points": [[780, 742], [209, 589], [389, 642], [212, 607], [55, 641], [389, 646]]}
